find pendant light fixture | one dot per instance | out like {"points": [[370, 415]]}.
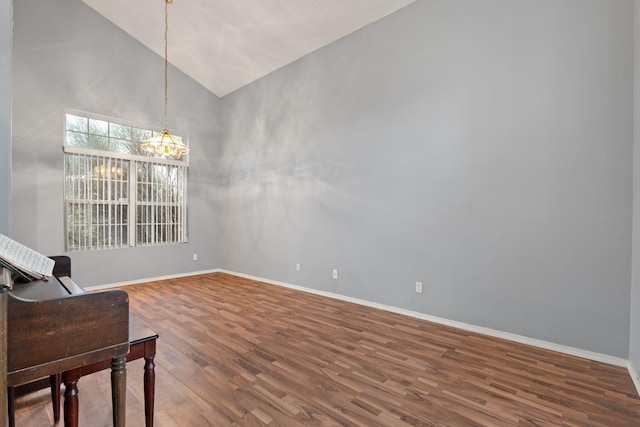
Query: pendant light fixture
{"points": [[165, 144]]}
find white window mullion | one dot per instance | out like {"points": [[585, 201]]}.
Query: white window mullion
{"points": [[106, 203], [77, 185], [85, 201], [183, 203], [167, 217], [69, 176], [101, 206], [152, 211], [70, 191], [109, 182], [88, 206], [133, 198], [118, 206], [121, 201]]}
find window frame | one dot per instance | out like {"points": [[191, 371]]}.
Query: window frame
{"points": [[133, 201]]}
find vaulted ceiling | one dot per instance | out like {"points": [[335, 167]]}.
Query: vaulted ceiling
{"points": [[226, 44]]}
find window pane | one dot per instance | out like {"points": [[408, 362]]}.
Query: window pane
{"points": [[96, 201], [122, 146], [119, 131], [99, 142], [161, 216], [98, 127], [77, 139], [77, 123], [140, 135]]}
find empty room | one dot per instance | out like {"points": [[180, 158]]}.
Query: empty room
{"points": [[329, 213]]}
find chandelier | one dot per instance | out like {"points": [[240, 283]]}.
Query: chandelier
{"points": [[164, 144]]}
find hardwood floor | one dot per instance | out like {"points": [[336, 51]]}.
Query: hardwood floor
{"points": [[235, 352]]}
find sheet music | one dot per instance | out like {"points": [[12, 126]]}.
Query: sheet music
{"points": [[24, 260]]}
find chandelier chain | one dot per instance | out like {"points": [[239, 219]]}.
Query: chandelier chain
{"points": [[166, 59], [165, 144]]}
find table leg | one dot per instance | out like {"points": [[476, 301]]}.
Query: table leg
{"points": [[149, 387], [118, 390], [54, 382], [11, 395], [70, 379]]}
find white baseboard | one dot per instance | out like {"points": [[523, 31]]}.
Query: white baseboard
{"points": [[598, 357], [151, 279], [634, 376]]}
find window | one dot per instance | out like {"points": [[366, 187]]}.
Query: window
{"points": [[116, 195]]}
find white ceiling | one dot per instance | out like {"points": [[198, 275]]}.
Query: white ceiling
{"points": [[226, 44]]}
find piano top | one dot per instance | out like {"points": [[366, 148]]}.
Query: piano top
{"points": [[39, 290]]}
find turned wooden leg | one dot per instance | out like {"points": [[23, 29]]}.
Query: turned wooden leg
{"points": [[149, 388], [118, 390], [54, 381], [70, 379], [11, 403]]}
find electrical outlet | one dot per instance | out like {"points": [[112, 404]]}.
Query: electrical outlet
{"points": [[335, 274], [195, 257], [419, 287], [298, 267]]}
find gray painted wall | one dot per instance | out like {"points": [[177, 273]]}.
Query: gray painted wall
{"points": [[482, 148], [5, 116], [68, 56], [634, 344]]}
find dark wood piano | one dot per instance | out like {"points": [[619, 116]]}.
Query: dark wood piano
{"points": [[53, 327]]}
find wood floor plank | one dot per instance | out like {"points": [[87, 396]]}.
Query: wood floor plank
{"points": [[237, 352]]}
